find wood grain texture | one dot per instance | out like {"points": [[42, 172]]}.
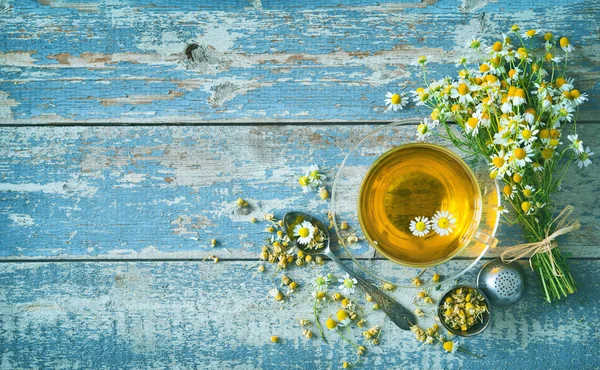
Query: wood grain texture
{"points": [[183, 315], [252, 61], [165, 192]]}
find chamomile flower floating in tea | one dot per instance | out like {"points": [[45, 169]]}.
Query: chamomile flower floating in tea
{"points": [[443, 223], [420, 226], [395, 102]]}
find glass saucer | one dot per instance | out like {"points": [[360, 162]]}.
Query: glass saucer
{"points": [[345, 195]]}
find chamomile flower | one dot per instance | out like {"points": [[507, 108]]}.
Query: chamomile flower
{"points": [[461, 62], [424, 129], [564, 84], [305, 232], [537, 167], [315, 177], [462, 92], [522, 156], [577, 97], [499, 162], [395, 102], [565, 44], [576, 144], [528, 191], [420, 226], [583, 160], [564, 112], [502, 210], [321, 283], [347, 285], [529, 34], [475, 43], [519, 97], [304, 181], [527, 134], [443, 222]]}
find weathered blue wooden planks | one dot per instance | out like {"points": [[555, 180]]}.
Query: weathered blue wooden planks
{"points": [[164, 192], [98, 62], [205, 315]]}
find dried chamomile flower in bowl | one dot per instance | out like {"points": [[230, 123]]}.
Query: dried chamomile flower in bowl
{"points": [[464, 311]]}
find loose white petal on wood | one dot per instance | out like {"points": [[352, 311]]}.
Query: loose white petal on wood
{"points": [[165, 192], [206, 315]]}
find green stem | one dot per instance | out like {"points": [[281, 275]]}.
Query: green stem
{"points": [[316, 312]]}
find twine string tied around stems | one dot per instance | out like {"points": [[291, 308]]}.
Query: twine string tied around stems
{"points": [[545, 245]]}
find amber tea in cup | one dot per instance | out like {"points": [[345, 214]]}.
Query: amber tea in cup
{"points": [[418, 180]]}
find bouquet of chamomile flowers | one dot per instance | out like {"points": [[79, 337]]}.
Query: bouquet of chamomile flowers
{"points": [[514, 110]]}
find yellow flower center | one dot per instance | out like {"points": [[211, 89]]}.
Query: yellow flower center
{"points": [[548, 36], [527, 192], [497, 46], [547, 153], [507, 190], [443, 222], [512, 73], [495, 61], [491, 78], [517, 178], [493, 174], [455, 108], [314, 174], [525, 206], [520, 93], [484, 68], [303, 180], [330, 323], [420, 226], [522, 52], [567, 94], [575, 94], [526, 134], [303, 232], [564, 42], [511, 91], [559, 82], [515, 28], [463, 89], [342, 315], [448, 346], [544, 133], [549, 57], [554, 133], [520, 153], [472, 122], [435, 114], [530, 33], [396, 99], [422, 128], [498, 162], [553, 142]]}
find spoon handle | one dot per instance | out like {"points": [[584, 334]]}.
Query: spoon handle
{"points": [[397, 313]]}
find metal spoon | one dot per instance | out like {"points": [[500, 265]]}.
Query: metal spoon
{"points": [[398, 314]]}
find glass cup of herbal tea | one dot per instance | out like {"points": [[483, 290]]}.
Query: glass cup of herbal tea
{"points": [[417, 203]]}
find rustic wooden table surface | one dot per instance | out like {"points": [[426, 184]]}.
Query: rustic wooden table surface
{"points": [[129, 129]]}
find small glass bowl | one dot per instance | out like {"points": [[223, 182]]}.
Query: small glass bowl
{"points": [[473, 330]]}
